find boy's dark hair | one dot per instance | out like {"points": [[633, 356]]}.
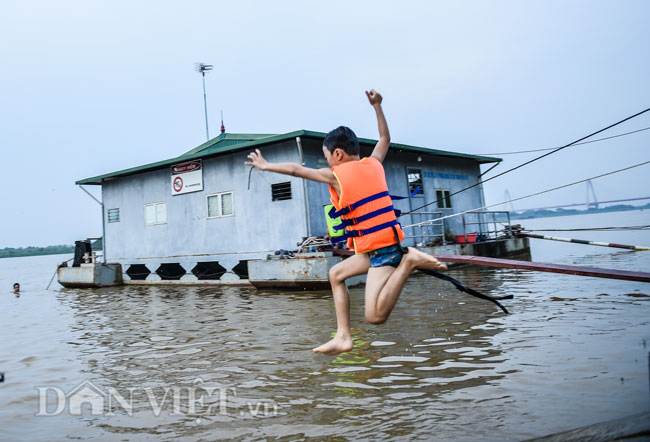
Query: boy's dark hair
{"points": [[343, 138], [16, 284]]}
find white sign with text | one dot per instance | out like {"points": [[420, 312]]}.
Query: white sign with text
{"points": [[187, 177]]}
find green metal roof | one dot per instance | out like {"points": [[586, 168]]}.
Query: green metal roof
{"points": [[225, 140], [227, 143]]}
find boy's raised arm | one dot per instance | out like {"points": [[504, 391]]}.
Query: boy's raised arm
{"points": [[381, 148], [321, 175]]}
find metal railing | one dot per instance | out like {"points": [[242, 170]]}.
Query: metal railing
{"points": [[489, 225], [429, 232]]}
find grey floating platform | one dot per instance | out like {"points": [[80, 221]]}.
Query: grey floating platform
{"points": [[311, 270], [305, 271], [90, 275], [515, 247]]}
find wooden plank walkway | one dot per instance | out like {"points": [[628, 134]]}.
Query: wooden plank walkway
{"points": [[547, 267]]}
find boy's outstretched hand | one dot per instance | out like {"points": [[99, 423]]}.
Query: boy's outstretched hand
{"points": [[374, 97], [256, 160]]}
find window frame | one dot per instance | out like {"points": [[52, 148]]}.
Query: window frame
{"points": [[408, 182], [445, 198], [155, 206], [219, 204]]}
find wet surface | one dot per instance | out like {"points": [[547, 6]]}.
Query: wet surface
{"points": [[573, 352]]}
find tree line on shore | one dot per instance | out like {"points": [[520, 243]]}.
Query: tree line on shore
{"points": [[11, 252]]}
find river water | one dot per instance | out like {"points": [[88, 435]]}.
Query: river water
{"points": [[573, 352]]}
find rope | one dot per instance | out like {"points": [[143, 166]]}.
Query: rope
{"points": [[259, 173], [313, 242], [533, 160], [463, 288], [526, 196], [51, 279], [56, 271], [576, 144]]}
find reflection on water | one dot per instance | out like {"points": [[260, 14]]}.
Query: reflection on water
{"points": [[445, 366]]}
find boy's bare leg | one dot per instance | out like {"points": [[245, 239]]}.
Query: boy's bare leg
{"points": [[375, 282], [383, 287], [354, 265]]}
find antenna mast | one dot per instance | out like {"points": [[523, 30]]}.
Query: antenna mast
{"points": [[202, 68]]}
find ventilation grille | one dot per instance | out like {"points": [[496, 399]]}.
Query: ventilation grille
{"points": [[113, 215], [281, 191]]}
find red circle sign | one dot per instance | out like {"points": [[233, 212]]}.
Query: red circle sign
{"points": [[178, 184]]}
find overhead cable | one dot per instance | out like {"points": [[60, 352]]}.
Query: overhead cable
{"points": [[533, 160], [526, 196], [576, 144]]}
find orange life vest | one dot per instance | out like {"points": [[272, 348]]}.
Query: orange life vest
{"points": [[365, 206]]}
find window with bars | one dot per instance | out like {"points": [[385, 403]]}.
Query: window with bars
{"points": [[220, 205], [113, 215], [281, 191], [443, 198], [155, 213], [415, 181]]}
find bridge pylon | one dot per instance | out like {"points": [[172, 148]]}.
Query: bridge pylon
{"points": [[591, 204], [506, 197]]}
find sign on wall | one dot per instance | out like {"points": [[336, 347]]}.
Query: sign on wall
{"points": [[446, 176], [187, 177]]}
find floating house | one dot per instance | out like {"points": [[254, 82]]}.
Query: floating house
{"points": [[200, 217]]}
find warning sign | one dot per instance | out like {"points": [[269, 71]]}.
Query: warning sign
{"points": [[187, 177], [178, 184]]}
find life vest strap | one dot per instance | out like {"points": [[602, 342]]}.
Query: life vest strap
{"points": [[415, 192], [358, 233], [345, 210], [345, 222], [333, 213]]}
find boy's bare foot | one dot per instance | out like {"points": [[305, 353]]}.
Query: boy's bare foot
{"points": [[335, 346], [421, 260]]}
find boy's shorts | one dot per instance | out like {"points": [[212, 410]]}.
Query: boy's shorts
{"points": [[386, 256]]}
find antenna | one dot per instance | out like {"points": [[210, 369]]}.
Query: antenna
{"points": [[223, 128], [202, 68]]}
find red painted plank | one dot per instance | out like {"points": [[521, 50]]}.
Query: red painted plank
{"points": [[537, 266], [547, 267]]}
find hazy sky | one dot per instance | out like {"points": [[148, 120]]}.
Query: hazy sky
{"points": [[89, 87]]}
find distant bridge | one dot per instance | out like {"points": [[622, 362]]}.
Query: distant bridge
{"points": [[588, 204]]}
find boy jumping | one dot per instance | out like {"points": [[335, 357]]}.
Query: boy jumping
{"points": [[360, 196]]}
